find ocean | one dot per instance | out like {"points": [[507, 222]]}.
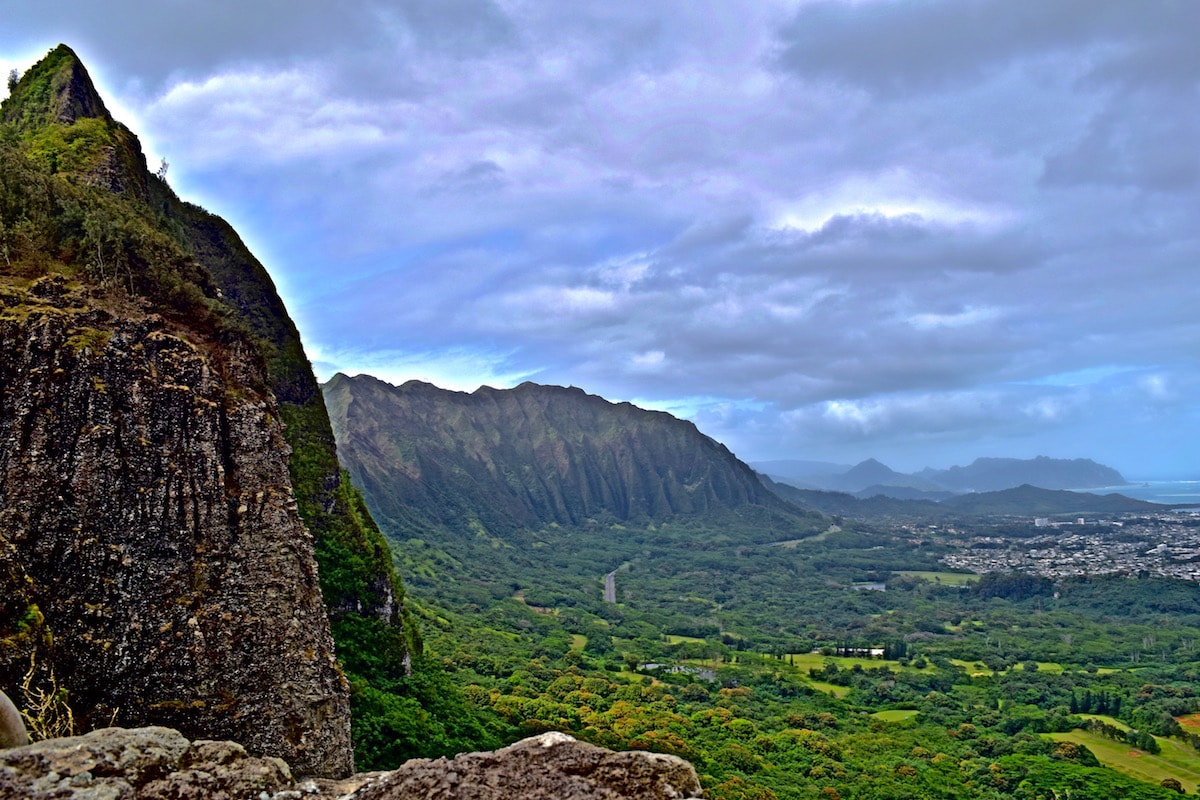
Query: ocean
{"points": [[1158, 491]]}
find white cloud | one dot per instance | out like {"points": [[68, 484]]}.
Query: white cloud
{"points": [[961, 319], [251, 117], [650, 361], [895, 193]]}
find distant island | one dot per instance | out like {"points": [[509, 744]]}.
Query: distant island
{"points": [[869, 478]]}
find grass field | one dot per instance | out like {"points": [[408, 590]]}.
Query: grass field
{"points": [[1176, 760], [578, 642], [895, 715], [807, 661], [830, 688], [976, 668], [674, 639], [945, 578]]}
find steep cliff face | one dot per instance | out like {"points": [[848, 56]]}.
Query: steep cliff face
{"points": [[362, 588], [162, 446], [529, 456], [142, 493]]}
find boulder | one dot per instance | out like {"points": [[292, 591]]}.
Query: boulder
{"points": [[553, 766], [12, 727]]}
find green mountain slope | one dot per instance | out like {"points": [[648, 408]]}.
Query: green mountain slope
{"points": [[531, 456], [1031, 500]]}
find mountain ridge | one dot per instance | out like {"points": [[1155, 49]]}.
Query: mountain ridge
{"points": [[529, 456]]}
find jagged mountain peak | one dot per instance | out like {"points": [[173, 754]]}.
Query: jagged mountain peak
{"points": [[56, 90], [68, 131]]}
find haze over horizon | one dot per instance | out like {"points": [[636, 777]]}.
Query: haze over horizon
{"points": [[918, 232]]}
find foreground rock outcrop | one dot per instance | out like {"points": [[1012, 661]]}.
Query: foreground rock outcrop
{"points": [[160, 764], [138, 764]]}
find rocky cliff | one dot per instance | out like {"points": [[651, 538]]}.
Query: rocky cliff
{"points": [[154, 527], [528, 456], [168, 479]]}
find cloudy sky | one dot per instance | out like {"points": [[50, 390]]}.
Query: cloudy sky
{"points": [[919, 231]]}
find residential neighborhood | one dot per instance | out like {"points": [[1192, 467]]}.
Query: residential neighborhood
{"points": [[1167, 545]]}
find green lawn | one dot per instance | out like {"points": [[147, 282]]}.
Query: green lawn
{"points": [[895, 715], [578, 642], [807, 661], [830, 688], [977, 668], [675, 639], [1176, 760], [946, 578]]}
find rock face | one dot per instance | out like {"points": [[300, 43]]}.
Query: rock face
{"points": [[145, 499], [160, 764], [528, 456], [176, 539]]}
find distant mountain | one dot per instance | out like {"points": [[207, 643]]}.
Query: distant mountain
{"points": [[529, 456], [993, 474], [869, 472], [1023, 501], [872, 473], [1032, 500], [904, 493], [982, 475], [844, 504]]}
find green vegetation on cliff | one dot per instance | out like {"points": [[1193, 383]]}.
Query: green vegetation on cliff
{"points": [[77, 200]]}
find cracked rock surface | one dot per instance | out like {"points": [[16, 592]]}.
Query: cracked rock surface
{"points": [[160, 764]]}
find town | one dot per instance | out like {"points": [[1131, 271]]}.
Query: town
{"points": [[1166, 544]]}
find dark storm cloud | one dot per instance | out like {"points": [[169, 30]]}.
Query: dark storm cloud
{"points": [[896, 47], [148, 42]]}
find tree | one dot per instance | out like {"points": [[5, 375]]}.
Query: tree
{"points": [[13, 77]]}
